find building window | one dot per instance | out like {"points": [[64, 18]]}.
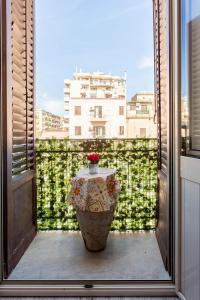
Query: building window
{"points": [[99, 131], [98, 111], [77, 110], [121, 110], [93, 95], [121, 130], [142, 132], [77, 130], [67, 95], [83, 95], [84, 87], [144, 108]]}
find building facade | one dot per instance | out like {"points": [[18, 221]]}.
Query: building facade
{"points": [[46, 121], [140, 116], [96, 105]]}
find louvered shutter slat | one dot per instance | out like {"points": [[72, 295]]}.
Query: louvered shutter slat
{"points": [[161, 84], [19, 149], [22, 85], [194, 78]]}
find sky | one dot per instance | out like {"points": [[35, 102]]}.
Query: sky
{"points": [[110, 36]]}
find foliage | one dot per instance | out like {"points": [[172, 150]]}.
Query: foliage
{"points": [[135, 161]]}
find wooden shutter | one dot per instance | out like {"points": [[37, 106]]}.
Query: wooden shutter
{"points": [[77, 130], [77, 110], [19, 205], [194, 80], [22, 86], [164, 119], [121, 110]]}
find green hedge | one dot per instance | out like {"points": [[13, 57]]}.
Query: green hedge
{"points": [[135, 161]]}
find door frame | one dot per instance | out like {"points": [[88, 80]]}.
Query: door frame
{"points": [[111, 288], [182, 162], [1, 147], [177, 144]]}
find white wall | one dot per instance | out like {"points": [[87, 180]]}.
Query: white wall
{"points": [[134, 125], [190, 228]]}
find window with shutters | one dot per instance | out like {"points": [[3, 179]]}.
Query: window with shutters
{"points": [[190, 71], [77, 130], [99, 131], [121, 110], [77, 110], [98, 112], [121, 130], [142, 132]]}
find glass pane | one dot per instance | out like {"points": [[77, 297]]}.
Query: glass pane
{"points": [[190, 63]]}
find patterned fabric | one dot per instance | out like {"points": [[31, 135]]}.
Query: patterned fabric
{"points": [[94, 193]]}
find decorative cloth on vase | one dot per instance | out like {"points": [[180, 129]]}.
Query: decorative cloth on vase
{"points": [[94, 193]]}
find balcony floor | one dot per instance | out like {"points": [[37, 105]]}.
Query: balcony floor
{"points": [[58, 255]]}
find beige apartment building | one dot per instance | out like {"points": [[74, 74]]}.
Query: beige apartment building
{"points": [[96, 105], [49, 125], [140, 116]]}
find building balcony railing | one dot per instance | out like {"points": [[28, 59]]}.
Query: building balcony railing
{"points": [[95, 118], [139, 115], [101, 84], [142, 112], [135, 161], [67, 90]]}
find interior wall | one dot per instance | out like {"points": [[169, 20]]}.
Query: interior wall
{"points": [[190, 228]]}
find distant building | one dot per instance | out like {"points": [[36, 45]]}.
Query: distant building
{"points": [[64, 123], [140, 116], [184, 117], [56, 134], [96, 105], [46, 121]]}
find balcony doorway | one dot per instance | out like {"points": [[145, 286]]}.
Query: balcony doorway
{"points": [[101, 105]]}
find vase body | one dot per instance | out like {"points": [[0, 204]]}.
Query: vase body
{"points": [[93, 168], [95, 227]]}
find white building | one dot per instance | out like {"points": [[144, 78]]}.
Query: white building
{"points": [[96, 105], [140, 116], [48, 122]]}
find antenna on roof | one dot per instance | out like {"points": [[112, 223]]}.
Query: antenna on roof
{"points": [[76, 71], [125, 74]]}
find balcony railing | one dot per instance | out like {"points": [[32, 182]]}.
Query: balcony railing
{"points": [[135, 161]]}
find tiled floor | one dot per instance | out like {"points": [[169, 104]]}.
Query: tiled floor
{"points": [[58, 255]]}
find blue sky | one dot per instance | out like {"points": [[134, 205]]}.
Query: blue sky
{"points": [[94, 35]]}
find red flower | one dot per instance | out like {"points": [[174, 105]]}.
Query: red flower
{"points": [[93, 157]]}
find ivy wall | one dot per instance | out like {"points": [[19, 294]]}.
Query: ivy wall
{"points": [[135, 161]]}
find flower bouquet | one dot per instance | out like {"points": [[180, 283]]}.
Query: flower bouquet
{"points": [[93, 162]]}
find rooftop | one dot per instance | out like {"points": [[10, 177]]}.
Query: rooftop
{"points": [[96, 75]]}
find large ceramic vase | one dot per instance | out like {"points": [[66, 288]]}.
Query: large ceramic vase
{"points": [[95, 227]]}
